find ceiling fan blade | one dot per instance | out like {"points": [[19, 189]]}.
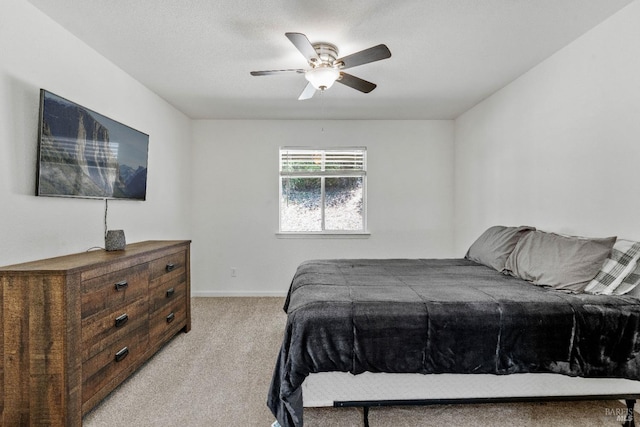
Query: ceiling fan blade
{"points": [[356, 83], [308, 92], [301, 42], [372, 54], [271, 72]]}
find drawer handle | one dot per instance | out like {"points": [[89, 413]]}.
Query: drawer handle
{"points": [[170, 292], [170, 267], [171, 317], [122, 354], [121, 285], [121, 320]]}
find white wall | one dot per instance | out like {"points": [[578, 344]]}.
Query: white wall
{"points": [[35, 53], [235, 190], [234, 213], [559, 148]]}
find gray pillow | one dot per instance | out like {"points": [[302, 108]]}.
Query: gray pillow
{"points": [[494, 246], [558, 261]]}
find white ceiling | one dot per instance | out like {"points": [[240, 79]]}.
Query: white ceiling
{"points": [[447, 55]]}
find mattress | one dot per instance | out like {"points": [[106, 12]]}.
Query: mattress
{"points": [[329, 388]]}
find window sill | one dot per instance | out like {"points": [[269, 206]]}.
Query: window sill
{"points": [[324, 235]]}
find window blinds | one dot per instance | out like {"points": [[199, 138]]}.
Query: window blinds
{"points": [[304, 161]]}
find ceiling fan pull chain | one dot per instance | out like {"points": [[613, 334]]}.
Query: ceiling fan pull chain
{"points": [[322, 110]]}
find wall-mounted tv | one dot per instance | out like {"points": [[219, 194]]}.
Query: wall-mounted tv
{"points": [[84, 154]]}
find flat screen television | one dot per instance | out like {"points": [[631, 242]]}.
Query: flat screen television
{"points": [[84, 154]]}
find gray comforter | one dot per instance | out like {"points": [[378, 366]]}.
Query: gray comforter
{"points": [[443, 316]]}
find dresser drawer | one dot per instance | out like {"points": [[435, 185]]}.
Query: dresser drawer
{"points": [[173, 263], [168, 320], [114, 289], [104, 329], [166, 290], [101, 369]]}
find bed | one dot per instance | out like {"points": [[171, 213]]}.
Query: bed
{"points": [[446, 319]]}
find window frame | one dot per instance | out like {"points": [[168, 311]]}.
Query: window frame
{"points": [[322, 174]]}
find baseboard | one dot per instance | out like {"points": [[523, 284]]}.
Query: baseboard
{"points": [[237, 294]]}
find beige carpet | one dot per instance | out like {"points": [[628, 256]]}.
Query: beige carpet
{"points": [[218, 375]]}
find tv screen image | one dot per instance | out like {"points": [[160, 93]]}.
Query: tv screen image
{"points": [[82, 153]]}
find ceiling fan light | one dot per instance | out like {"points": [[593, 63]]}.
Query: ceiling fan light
{"points": [[322, 78]]}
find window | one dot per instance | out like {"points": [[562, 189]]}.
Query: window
{"points": [[323, 190]]}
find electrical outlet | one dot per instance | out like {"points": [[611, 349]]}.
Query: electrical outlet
{"points": [[234, 272]]}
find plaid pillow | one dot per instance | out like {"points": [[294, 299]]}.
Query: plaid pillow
{"points": [[622, 261], [631, 281]]}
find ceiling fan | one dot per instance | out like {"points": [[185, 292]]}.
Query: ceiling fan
{"points": [[325, 66]]}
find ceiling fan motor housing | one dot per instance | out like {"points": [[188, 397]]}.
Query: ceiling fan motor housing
{"points": [[327, 52]]}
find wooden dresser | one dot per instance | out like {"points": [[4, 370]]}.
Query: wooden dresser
{"points": [[76, 326]]}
